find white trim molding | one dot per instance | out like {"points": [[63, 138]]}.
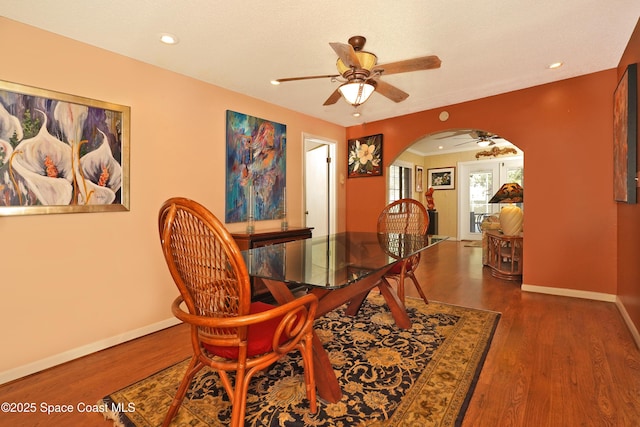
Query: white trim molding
{"points": [[57, 359], [627, 319], [597, 296]]}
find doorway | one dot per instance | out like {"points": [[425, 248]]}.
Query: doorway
{"points": [[479, 181], [320, 185]]}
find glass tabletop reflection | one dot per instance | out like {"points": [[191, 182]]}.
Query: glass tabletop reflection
{"points": [[336, 260]]}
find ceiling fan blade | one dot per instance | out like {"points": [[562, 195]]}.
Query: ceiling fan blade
{"points": [[291, 79], [416, 64], [335, 96], [451, 134], [490, 140], [466, 142], [347, 54], [390, 91]]}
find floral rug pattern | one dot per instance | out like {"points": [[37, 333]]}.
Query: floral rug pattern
{"points": [[389, 377]]}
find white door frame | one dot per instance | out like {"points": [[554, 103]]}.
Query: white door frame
{"points": [[464, 168], [403, 164], [311, 142]]}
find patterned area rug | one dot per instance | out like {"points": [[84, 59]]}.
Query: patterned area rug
{"points": [[423, 376]]}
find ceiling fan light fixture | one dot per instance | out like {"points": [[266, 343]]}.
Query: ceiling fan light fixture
{"points": [[367, 62], [356, 93], [361, 68]]}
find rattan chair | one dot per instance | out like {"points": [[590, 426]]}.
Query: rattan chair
{"points": [[229, 333], [407, 216]]}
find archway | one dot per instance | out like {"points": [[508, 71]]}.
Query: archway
{"points": [[448, 150]]}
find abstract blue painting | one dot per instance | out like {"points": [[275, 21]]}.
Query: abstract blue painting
{"points": [[256, 168]]}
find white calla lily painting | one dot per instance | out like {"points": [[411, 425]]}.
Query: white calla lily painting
{"points": [[61, 153]]}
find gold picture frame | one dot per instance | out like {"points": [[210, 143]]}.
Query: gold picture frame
{"points": [[61, 153], [419, 178]]}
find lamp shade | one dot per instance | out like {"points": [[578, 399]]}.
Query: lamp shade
{"points": [[511, 192], [356, 93]]}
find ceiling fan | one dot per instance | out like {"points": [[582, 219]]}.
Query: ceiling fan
{"points": [[360, 74], [483, 139]]}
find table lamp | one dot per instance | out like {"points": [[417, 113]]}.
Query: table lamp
{"points": [[511, 216]]}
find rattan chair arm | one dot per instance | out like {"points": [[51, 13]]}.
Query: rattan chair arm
{"points": [[308, 301]]}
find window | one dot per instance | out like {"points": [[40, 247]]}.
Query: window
{"points": [[514, 173], [399, 182]]}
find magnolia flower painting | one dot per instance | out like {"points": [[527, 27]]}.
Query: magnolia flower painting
{"points": [[60, 153], [365, 156]]}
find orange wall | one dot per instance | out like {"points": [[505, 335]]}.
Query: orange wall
{"points": [[70, 282], [565, 130], [78, 280], [629, 218]]}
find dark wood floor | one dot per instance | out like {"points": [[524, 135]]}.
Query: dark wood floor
{"points": [[554, 361]]}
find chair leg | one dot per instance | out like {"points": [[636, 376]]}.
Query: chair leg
{"points": [[401, 281], [309, 374], [228, 386], [194, 366], [401, 290], [419, 288], [240, 396]]}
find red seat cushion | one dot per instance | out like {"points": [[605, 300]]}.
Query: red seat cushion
{"points": [[396, 269], [259, 336]]}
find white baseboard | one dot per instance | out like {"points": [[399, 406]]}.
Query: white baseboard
{"points": [[57, 359], [627, 319], [592, 296], [597, 296]]}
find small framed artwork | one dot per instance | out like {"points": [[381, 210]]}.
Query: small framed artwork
{"points": [[365, 156], [419, 178], [625, 136], [442, 178], [61, 153]]}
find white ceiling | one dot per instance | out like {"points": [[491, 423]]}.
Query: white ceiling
{"points": [[487, 47], [455, 141]]}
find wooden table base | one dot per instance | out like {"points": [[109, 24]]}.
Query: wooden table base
{"points": [[329, 300]]}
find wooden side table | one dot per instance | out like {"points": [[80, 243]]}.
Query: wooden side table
{"points": [[270, 237], [504, 255], [264, 238]]}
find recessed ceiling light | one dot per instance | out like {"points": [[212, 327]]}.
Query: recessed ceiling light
{"points": [[356, 114], [440, 147], [275, 82], [555, 65], [167, 38]]}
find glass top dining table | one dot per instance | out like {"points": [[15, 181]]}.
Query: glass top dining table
{"points": [[339, 269], [336, 260]]}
